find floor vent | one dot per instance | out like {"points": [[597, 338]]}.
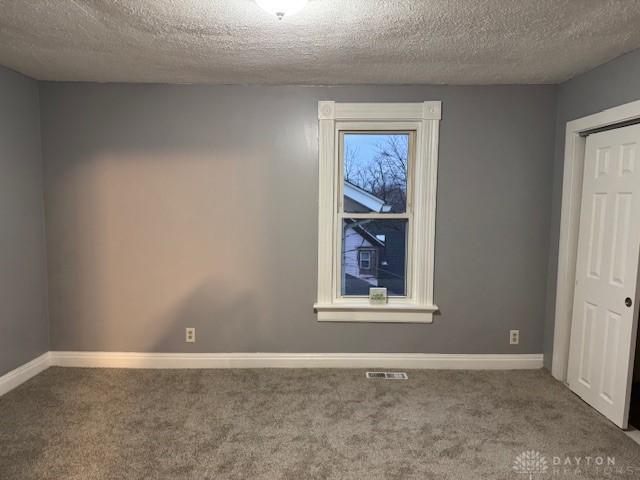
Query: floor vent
{"points": [[388, 375]]}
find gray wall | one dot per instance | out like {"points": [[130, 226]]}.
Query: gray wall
{"points": [[24, 331], [176, 206], [611, 84]]}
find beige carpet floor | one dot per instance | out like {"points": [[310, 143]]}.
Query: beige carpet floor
{"points": [[303, 424]]}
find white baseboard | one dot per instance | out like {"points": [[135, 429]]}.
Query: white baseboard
{"points": [[12, 379], [18, 376], [297, 360]]}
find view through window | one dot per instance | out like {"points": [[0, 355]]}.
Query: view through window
{"points": [[375, 211]]}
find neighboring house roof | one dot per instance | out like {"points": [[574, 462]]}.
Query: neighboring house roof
{"points": [[364, 233], [365, 198]]}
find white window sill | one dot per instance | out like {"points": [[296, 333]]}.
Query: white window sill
{"points": [[399, 313]]}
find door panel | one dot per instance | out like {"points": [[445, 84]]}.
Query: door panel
{"points": [[609, 364], [587, 343], [603, 327], [596, 234]]}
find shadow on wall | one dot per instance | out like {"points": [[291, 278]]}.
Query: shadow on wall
{"points": [[138, 236], [148, 245], [157, 222]]}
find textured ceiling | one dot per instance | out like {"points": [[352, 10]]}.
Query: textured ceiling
{"points": [[329, 42]]}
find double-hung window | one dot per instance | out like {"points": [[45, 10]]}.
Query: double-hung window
{"points": [[378, 171]]}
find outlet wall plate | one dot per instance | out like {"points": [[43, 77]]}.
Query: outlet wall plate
{"points": [[190, 335], [514, 337]]}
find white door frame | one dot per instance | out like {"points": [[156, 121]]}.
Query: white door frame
{"points": [[570, 222]]}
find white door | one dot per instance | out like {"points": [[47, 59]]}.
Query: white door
{"points": [[604, 321]]}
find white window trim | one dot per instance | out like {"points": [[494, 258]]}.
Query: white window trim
{"points": [[418, 306]]}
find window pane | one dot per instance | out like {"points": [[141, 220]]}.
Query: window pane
{"points": [[373, 255], [375, 172]]}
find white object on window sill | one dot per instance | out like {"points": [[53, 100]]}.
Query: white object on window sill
{"points": [[377, 296]]}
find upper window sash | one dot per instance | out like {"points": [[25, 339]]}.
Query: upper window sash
{"points": [[375, 129]]}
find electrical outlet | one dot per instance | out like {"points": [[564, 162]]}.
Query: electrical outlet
{"points": [[190, 335], [514, 337]]}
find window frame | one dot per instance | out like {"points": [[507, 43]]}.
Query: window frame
{"points": [[423, 119], [343, 128]]}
